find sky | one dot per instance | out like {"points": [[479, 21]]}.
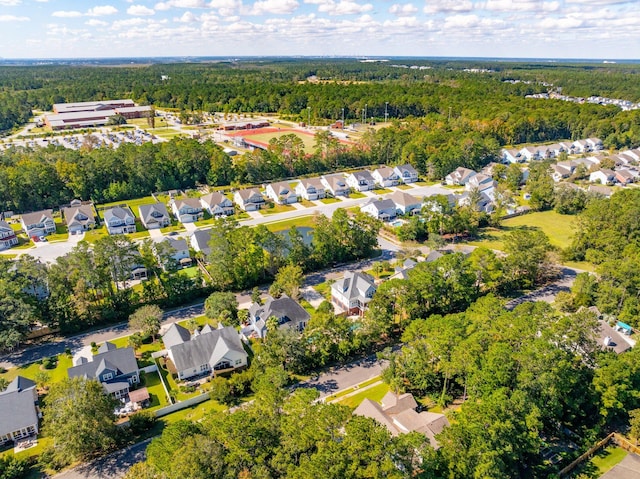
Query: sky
{"points": [[603, 29]]}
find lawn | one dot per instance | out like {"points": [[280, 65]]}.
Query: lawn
{"points": [[133, 204], [61, 234], [375, 393], [308, 140], [382, 191], [405, 187], [601, 463], [328, 201], [559, 228], [306, 203], [165, 133], [352, 389], [299, 222], [175, 226], [95, 234], [277, 209], [324, 289], [152, 382], [357, 195], [29, 371]]}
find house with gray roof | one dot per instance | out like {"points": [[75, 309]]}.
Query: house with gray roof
{"points": [[19, 411], [187, 210], [216, 204], [460, 176], [204, 352], [119, 220], [116, 368], [282, 193], [154, 216], [406, 173], [288, 312], [8, 236], [335, 184], [310, 189], [249, 199], [79, 217], [405, 203], [398, 414], [200, 241], [171, 253], [385, 177], [352, 293], [361, 180], [38, 223], [384, 210]]}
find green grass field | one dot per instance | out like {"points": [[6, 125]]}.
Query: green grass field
{"points": [[277, 209], [601, 463], [375, 393], [559, 228], [404, 187], [30, 371], [133, 204], [328, 201], [307, 140], [299, 222]]}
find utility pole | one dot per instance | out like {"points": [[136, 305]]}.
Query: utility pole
{"points": [[386, 115]]}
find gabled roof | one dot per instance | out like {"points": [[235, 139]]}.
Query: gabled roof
{"points": [[206, 348], [354, 284], [178, 244], [404, 199], [283, 308], [37, 217], [363, 175], [381, 205], [5, 226], [336, 182], [176, 334], [17, 406], [153, 213], [282, 188], [122, 213], [78, 215], [407, 169], [201, 239], [189, 203], [312, 182], [121, 360], [214, 199], [385, 172], [248, 193]]}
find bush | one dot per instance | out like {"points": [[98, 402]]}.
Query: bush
{"points": [[188, 389], [48, 364], [67, 351], [12, 468], [141, 421], [221, 391]]}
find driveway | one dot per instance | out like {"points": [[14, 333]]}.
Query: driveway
{"points": [[190, 227], [628, 468], [155, 233]]}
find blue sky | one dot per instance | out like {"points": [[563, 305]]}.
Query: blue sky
{"points": [[490, 28]]}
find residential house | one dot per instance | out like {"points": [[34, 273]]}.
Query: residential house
{"points": [[595, 144], [624, 177], [484, 202], [186, 210], [79, 217], [200, 241], [561, 172], [172, 253], [385, 177], [384, 210], [480, 181], [154, 216], [603, 176], [581, 146], [281, 193], [633, 155], [397, 412], [511, 155], [8, 236], [39, 223], [402, 272], [554, 150], [406, 173], [600, 190], [405, 203], [119, 220], [567, 146], [19, 410], [336, 185], [286, 311], [116, 368], [216, 204], [361, 180], [532, 153], [460, 176], [249, 199], [205, 352], [353, 292], [310, 189]]}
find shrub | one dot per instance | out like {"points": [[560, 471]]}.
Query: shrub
{"points": [[141, 421]]}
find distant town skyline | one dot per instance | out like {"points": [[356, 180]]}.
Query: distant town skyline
{"points": [[602, 29]]}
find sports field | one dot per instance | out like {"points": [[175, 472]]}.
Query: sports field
{"points": [[262, 136]]}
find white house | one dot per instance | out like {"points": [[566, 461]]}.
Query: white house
{"points": [[119, 220], [406, 173], [154, 216], [595, 143], [249, 199], [205, 352], [581, 146], [187, 210], [405, 203], [39, 223], [8, 237], [604, 176], [353, 292], [281, 193], [381, 209], [168, 249], [18, 410], [79, 217], [511, 155], [310, 189], [460, 176], [361, 180], [385, 177], [336, 185], [199, 241], [216, 204]]}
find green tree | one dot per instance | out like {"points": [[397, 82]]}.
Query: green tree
{"points": [[540, 186], [634, 425], [148, 319], [526, 263], [79, 418], [289, 280], [222, 306]]}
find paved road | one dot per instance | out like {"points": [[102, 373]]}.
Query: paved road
{"points": [[548, 293], [113, 466]]}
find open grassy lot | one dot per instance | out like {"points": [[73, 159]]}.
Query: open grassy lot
{"points": [[375, 393], [382, 191], [30, 371], [308, 140], [601, 463], [95, 234], [328, 201], [144, 123], [357, 195], [299, 222], [133, 204], [404, 187], [559, 228], [61, 234], [165, 133]]}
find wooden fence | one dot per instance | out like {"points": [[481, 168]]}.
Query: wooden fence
{"points": [[614, 437]]}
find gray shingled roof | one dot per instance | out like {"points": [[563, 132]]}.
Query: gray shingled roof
{"points": [[214, 199], [81, 215], [202, 238], [176, 334], [119, 212], [153, 213], [17, 406], [353, 285], [37, 217], [208, 348], [122, 360], [283, 308], [407, 167]]}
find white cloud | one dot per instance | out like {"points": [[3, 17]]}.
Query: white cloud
{"points": [[66, 14], [13, 18], [461, 21], [96, 23], [438, 6], [187, 17], [42, 1], [140, 10], [102, 10], [275, 7], [180, 4], [10, 3], [224, 4], [344, 7], [550, 23], [403, 10]]}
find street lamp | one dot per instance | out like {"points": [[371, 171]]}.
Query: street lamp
{"points": [[386, 115]]}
